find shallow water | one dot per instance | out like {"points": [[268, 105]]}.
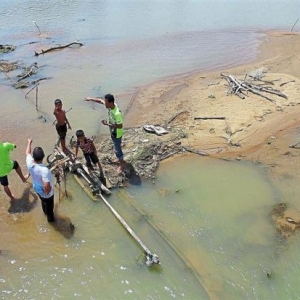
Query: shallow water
{"points": [[220, 222], [211, 230], [123, 47], [208, 220]]}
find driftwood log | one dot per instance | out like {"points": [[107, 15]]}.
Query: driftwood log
{"points": [[240, 88], [210, 118], [29, 71], [178, 114], [57, 48], [26, 84], [295, 146], [282, 84]]}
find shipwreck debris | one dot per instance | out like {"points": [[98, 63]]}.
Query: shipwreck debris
{"points": [[62, 161], [286, 221]]}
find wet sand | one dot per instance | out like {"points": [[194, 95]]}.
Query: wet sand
{"points": [[255, 129]]}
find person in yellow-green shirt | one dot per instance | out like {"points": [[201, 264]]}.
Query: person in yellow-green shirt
{"points": [[115, 123], [6, 165]]}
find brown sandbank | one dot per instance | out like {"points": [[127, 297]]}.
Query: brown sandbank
{"points": [[255, 129], [264, 130]]}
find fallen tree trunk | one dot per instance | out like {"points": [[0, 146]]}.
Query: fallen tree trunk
{"points": [[57, 48], [210, 118]]}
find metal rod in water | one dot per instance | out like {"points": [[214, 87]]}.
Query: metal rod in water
{"points": [[151, 258]]}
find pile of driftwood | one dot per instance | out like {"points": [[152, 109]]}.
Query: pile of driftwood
{"points": [[143, 151], [242, 87]]}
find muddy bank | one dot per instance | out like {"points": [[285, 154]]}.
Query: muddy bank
{"points": [[204, 115]]}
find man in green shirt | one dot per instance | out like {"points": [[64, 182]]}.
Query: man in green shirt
{"points": [[115, 124], [6, 165]]}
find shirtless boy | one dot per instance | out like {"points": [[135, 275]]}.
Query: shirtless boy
{"points": [[62, 122]]}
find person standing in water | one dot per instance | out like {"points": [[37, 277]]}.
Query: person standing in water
{"points": [[6, 165], [115, 123], [42, 180], [62, 122]]}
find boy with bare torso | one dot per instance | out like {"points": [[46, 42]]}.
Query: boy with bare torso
{"points": [[62, 122]]}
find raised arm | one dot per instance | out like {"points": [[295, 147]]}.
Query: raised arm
{"points": [[28, 148], [95, 99]]}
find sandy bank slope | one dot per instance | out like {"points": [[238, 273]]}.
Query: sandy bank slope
{"points": [[250, 123]]}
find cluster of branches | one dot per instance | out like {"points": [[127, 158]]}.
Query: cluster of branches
{"points": [[241, 88]]}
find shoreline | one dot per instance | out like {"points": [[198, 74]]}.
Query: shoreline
{"points": [[252, 121], [252, 129]]}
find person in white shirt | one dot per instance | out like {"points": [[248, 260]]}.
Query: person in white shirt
{"points": [[41, 178]]}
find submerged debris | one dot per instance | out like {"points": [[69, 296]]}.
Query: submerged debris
{"points": [[7, 48], [6, 66], [287, 222]]}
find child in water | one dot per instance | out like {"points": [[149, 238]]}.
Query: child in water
{"points": [[89, 151], [62, 122]]}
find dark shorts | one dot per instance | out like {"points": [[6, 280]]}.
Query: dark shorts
{"points": [[4, 179], [91, 157], [61, 131]]}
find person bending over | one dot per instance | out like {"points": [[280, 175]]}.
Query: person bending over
{"points": [[89, 151], [6, 165]]}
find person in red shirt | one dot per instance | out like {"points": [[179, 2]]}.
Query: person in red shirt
{"points": [[89, 151]]}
